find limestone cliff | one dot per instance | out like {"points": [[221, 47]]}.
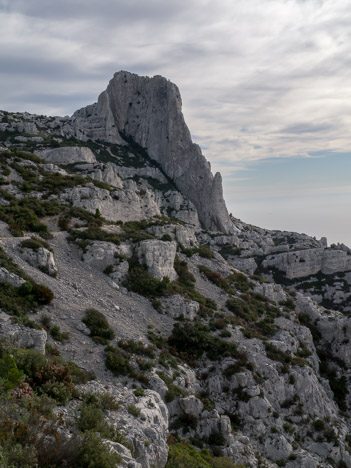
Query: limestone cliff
{"points": [[149, 111]]}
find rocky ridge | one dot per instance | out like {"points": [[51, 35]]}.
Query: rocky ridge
{"points": [[220, 335]]}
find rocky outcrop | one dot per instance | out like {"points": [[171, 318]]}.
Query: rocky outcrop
{"points": [[68, 155], [8, 277], [149, 111], [299, 264], [21, 336], [178, 307], [132, 203], [146, 431], [158, 256], [184, 235], [100, 254], [41, 258]]}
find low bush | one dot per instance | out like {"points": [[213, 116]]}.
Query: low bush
{"points": [[142, 282], [137, 347], [96, 454], [93, 233], [183, 455], [57, 334], [34, 243], [192, 340], [117, 361], [134, 410], [100, 330]]}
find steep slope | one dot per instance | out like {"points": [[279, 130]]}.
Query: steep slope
{"points": [[185, 360]]}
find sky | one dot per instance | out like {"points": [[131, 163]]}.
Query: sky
{"points": [[265, 84]]}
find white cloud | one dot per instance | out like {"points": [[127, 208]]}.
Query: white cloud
{"points": [[259, 78]]}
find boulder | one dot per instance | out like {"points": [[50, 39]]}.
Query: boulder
{"points": [[177, 306], [41, 258], [20, 336], [12, 278], [159, 257]]}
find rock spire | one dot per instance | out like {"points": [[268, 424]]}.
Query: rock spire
{"points": [[149, 110]]}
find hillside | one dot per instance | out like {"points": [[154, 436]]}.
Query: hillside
{"points": [[143, 326]]}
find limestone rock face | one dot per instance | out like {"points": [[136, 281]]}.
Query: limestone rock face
{"points": [[68, 155], [126, 205], [41, 258], [185, 235], [272, 291], [147, 433], [20, 336], [177, 306], [149, 111], [100, 254], [12, 278], [158, 256], [310, 262]]}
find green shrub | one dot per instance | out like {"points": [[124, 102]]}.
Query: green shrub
{"points": [[34, 243], [58, 391], [173, 392], [289, 304], [96, 454], [79, 375], [100, 330], [192, 340], [216, 438], [108, 270], [116, 361], [10, 375], [137, 347], [94, 233], [139, 392], [318, 425], [30, 361], [182, 455], [142, 282], [134, 410], [42, 294], [205, 252], [91, 417], [57, 334], [185, 277]]}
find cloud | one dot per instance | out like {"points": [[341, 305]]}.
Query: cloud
{"points": [[278, 69]]}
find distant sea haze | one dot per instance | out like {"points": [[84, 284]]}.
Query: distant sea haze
{"points": [[306, 195]]}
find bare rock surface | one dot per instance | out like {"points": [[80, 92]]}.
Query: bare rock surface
{"points": [[149, 111], [41, 258], [21, 336], [158, 256], [68, 155]]}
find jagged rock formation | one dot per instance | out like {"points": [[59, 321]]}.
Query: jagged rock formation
{"points": [[149, 111], [41, 258]]}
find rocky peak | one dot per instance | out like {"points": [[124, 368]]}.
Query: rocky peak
{"points": [[149, 111]]}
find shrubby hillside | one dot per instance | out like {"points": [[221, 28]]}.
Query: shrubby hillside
{"points": [[143, 326]]}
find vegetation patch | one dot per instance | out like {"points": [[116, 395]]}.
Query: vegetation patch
{"points": [[85, 237], [100, 330], [35, 243], [193, 340], [183, 455]]}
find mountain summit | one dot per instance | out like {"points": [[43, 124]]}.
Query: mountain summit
{"points": [[149, 110]]}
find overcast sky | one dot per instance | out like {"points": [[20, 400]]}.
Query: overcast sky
{"points": [[265, 84]]}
